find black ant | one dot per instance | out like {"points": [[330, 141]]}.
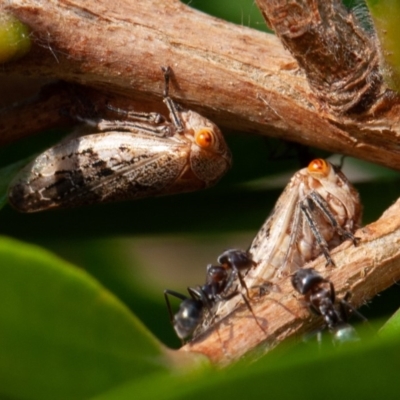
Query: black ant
{"points": [[219, 286], [320, 297]]}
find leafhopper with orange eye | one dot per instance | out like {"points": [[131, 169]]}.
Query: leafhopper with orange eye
{"points": [[318, 209], [144, 156]]}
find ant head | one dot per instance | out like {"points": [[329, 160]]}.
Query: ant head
{"points": [[188, 317], [305, 279]]}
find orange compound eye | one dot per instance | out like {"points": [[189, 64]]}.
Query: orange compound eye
{"points": [[204, 138], [319, 166]]}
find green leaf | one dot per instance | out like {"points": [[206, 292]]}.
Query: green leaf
{"points": [[392, 326], [14, 38], [366, 370], [386, 18], [242, 12], [63, 336]]}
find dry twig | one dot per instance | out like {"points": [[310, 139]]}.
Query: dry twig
{"points": [[236, 76]]}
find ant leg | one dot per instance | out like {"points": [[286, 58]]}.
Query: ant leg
{"points": [[242, 282], [252, 312], [238, 261], [347, 309]]}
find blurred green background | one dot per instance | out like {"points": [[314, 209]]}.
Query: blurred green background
{"points": [[137, 249]]}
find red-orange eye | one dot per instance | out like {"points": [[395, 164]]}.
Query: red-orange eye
{"points": [[319, 166], [204, 138]]}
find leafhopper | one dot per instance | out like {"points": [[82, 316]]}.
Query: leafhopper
{"points": [[318, 209], [123, 160]]}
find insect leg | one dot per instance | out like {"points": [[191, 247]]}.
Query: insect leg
{"points": [[347, 309], [324, 207], [305, 208], [151, 118], [246, 301], [243, 283], [117, 125], [236, 260], [105, 125], [332, 290], [245, 297], [172, 106]]}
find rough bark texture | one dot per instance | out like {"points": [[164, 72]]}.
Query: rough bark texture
{"points": [[238, 77], [340, 60]]}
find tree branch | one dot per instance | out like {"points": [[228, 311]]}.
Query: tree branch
{"points": [[238, 77], [341, 61], [365, 270]]}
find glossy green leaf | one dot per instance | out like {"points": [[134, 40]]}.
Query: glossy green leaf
{"points": [[14, 38], [366, 370], [62, 335], [242, 12], [392, 326]]}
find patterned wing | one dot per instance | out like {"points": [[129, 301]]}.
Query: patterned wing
{"points": [[100, 167]]}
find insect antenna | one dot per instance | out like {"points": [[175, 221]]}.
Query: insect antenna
{"points": [[190, 312], [167, 293]]}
